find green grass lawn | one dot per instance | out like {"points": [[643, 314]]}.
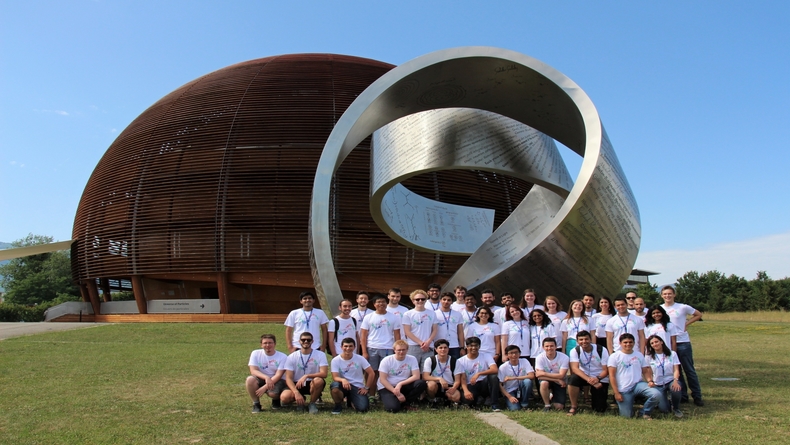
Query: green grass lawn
{"points": [[183, 383]]}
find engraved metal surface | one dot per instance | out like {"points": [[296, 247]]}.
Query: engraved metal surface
{"points": [[587, 242]]}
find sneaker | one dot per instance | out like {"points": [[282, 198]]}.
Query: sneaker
{"points": [[699, 402], [433, 406], [337, 409], [276, 405], [495, 409], [547, 409], [678, 413], [312, 409], [320, 401], [256, 408]]}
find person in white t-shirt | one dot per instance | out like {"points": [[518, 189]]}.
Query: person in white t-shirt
{"points": [[434, 295], [551, 368], [340, 327], [378, 333], [460, 299], [394, 307], [487, 331], [420, 327], [631, 377], [624, 322], [515, 379], [478, 373], [556, 315], [362, 309], [353, 377], [438, 374], [598, 321], [451, 325], [267, 366], [589, 368], [630, 299], [399, 380], [488, 299], [529, 302], [469, 311], [658, 323], [639, 308], [540, 328], [588, 300], [683, 316], [515, 331], [665, 365], [305, 371], [573, 323], [500, 315], [306, 319]]}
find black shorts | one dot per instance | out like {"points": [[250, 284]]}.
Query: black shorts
{"points": [[279, 386], [577, 381]]}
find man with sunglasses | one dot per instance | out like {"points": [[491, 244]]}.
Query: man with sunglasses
{"points": [[420, 327], [305, 371]]}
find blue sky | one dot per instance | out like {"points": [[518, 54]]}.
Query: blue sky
{"points": [[694, 96]]}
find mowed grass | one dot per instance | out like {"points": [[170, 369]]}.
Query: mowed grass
{"points": [[753, 409], [179, 383]]}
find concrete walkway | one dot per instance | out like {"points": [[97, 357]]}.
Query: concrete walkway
{"points": [[514, 429], [9, 330]]}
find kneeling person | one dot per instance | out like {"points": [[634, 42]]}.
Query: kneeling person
{"points": [[628, 371], [438, 373], [478, 373], [305, 371], [551, 367], [399, 379], [588, 368], [267, 366], [348, 372], [515, 379]]}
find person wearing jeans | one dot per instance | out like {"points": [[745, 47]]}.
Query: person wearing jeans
{"points": [[515, 379], [631, 377]]}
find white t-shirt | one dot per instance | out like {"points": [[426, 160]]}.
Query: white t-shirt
{"points": [[507, 370], [663, 367], [470, 367], [528, 309], [347, 328], [598, 324], [467, 317], [396, 371], [573, 326], [499, 316], [352, 370], [486, 333], [678, 314], [267, 364], [628, 369], [591, 364], [536, 336], [458, 307], [399, 311], [448, 326], [420, 323], [359, 315], [443, 370], [381, 329], [306, 321], [590, 313], [302, 364], [618, 326], [517, 334], [559, 365], [556, 320], [433, 307], [665, 334]]}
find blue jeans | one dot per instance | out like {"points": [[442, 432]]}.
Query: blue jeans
{"points": [[666, 395], [375, 356], [360, 402], [652, 397], [686, 357], [523, 394]]}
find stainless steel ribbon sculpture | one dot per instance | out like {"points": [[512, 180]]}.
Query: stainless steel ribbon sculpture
{"points": [[497, 110]]}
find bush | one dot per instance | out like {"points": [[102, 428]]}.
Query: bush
{"points": [[13, 313]]}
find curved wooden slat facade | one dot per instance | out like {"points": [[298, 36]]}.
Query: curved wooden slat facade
{"points": [[206, 194]]}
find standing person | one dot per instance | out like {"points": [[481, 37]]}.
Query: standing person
{"points": [[460, 299], [340, 327], [598, 323], [469, 310], [487, 331], [434, 293], [630, 299], [588, 369], [378, 333], [488, 299], [573, 323], [352, 378], [515, 379], [500, 314], [362, 309], [589, 305], [658, 323], [678, 314], [478, 373], [551, 368], [540, 328], [639, 308], [394, 307], [451, 326], [631, 377], [665, 365], [515, 331], [305, 371], [624, 322], [306, 319], [556, 315], [420, 326], [267, 366], [399, 380], [528, 303], [439, 374]]}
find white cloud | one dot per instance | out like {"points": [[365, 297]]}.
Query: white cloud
{"points": [[743, 258], [60, 112], [113, 130]]}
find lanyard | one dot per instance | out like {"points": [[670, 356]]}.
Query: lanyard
{"points": [[589, 359], [538, 333], [306, 318], [305, 362], [436, 308], [362, 314], [517, 373], [625, 323], [576, 325], [441, 369], [521, 330], [469, 316], [447, 321], [663, 359]]}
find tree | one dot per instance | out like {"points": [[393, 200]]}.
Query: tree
{"points": [[38, 278], [648, 293]]}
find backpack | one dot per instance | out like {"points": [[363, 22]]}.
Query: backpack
{"points": [[578, 350], [337, 324], [434, 362]]}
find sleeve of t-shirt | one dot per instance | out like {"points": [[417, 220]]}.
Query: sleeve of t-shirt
{"points": [[526, 365], [640, 324], [361, 361], [330, 327], [397, 323], [495, 329], [322, 318], [672, 329], [604, 355], [366, 322], [501, 373], [253, 358], [574, 356], [290, 362], [540, 363], [405, 320], [612, 361], [322, 359], [335, 365], [426, 366], [289, 320], [459, 367], [564, 362], [609, 325], [563, 326]]}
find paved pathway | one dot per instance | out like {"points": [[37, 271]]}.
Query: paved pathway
{"points": [[514, 429], [8, 330]]}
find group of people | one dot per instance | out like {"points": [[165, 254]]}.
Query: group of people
{"points": [[448, 350]]}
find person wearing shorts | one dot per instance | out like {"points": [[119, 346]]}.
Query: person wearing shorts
{"points": [[267, 367]]}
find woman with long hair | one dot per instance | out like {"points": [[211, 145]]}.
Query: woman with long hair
{"points": [[657, 323], [666, 374], [529, 302], [573, 323], [598, 323], [554, 311], [540, 327], [487, 331], [515, 331]]}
